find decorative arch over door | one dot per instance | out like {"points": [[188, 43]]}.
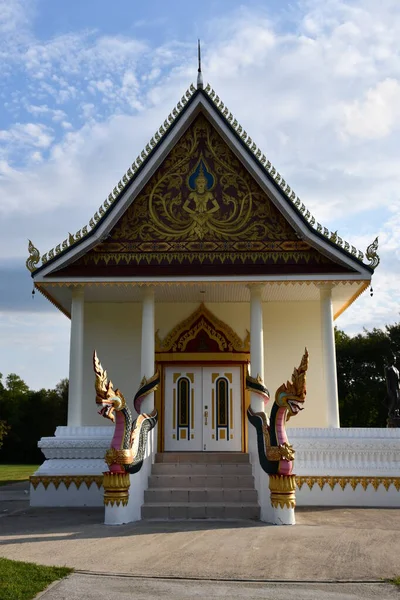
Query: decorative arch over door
{"points": [[201, 339], [203, 333]]}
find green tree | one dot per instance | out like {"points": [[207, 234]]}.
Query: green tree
{"points": [[31, 415], [361, 360], [4, 429]]}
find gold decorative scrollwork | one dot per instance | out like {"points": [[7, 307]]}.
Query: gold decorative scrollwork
{"points": [[34, 257], [119, 457], [283, 452], [372, 254], [202, 318], [214, 199]]}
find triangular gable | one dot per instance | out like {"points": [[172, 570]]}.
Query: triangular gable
{"points": [[201, 213], [330, 245]]}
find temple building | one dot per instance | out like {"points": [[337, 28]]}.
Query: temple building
{"points": [[200, 265]]}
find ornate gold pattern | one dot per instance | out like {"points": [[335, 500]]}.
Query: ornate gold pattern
{"points": [[283, 452], [119, 457], [34, 257], [293, 393], [321, 481], [283, 491], [116, 488], [261, 158], [46, 480], [202, 207], [106, 396], [187, 330], [372, 254], [189, 283]]}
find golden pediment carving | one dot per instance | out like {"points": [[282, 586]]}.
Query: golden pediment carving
{"points": [[202, 320]]}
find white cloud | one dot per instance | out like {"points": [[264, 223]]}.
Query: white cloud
{"points": [[377, 115], [55, 114], [15, 18], [27, 134]]}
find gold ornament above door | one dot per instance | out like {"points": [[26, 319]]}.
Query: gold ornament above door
{"points": [[202, 333]]}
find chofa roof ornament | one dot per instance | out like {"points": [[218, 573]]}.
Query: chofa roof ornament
{"points": [[372, 255], [34, 257]]}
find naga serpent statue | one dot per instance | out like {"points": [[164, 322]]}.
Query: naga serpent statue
{"points": [[128, 444], [275, 453]]}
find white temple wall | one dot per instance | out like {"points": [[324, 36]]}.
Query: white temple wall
{"points": [[114, 331], [289, 327]]}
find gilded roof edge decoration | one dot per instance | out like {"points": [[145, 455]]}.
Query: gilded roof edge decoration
{"points": [[34, 257], [178, 337], [370, 254]]}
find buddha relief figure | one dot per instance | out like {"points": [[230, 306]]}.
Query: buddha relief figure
{"points": [[201, 203]]}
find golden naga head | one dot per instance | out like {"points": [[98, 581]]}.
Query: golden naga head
{"points": [[109, 399], [293, 394]]}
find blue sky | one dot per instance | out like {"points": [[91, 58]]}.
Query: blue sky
{"points": [[85, 84]]}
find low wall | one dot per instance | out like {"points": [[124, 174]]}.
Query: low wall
{"points": [[72, 473], [347, 467], [334, 467]]}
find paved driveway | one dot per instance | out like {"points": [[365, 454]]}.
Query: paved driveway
{"points": [[80, 586]]}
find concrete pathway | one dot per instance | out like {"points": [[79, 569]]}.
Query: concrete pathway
{"points": [[357, 547], [327, 544], [79, 586]]}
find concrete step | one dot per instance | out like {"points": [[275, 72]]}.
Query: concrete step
{"points": [[201, 481], [202, 457], [166, 468], [201, 510], [203, 495]]}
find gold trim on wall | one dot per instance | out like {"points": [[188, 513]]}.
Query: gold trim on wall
{"points": [[331, 481], [46, 480]]}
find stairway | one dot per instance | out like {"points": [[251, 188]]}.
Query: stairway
{"points": [[201, 485]]}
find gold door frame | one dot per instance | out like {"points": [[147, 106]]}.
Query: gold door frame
{"points": [[199, 359]]}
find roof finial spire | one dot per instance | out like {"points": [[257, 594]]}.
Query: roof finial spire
{"points": [[199, 73]]}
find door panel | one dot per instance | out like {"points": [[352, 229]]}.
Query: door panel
{"points": [[183, 409], [222, 396], [203, 407]]}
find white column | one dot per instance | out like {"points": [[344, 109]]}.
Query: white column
{"points": [[329, 356], [148, 346], [75, 393], [256, 342]]}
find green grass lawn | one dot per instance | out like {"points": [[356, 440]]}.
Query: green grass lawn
{"points": [[14, 473], [23, 581]]}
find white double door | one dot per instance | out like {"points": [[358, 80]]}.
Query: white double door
{"points": [[202, 408]]}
